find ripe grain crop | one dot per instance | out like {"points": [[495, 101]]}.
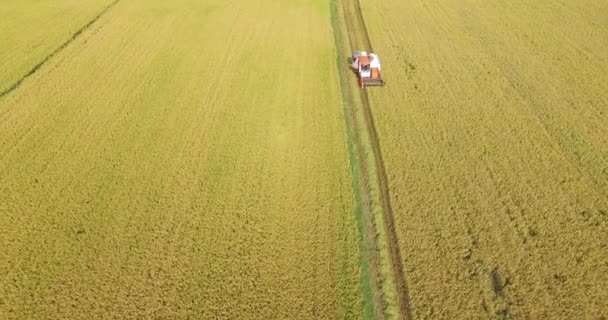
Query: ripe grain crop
{"points": [[493, 130], [30, 31], [181, 159]]}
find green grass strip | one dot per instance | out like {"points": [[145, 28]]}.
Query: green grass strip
{"points": [[365, 273], [354, 106]]}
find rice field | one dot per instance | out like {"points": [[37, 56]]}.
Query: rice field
{"points": [[179, 160], [217, 160], [31, 30], [493, 130]]}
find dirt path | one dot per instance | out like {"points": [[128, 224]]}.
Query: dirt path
{"points": [[373, 176]]}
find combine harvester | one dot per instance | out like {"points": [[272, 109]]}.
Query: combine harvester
{"points": [[367, 67]]}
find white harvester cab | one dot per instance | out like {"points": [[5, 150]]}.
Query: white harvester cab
{"points": [[368, 68]]}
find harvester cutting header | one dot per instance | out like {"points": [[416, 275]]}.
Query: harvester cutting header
{"points": [[368, 69]]}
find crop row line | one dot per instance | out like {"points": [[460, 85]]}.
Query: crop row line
{"points": [[42, 62]]}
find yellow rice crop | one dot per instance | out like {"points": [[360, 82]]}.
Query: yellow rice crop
{"points": [[30, 30], [181, 159], [493, 130]]}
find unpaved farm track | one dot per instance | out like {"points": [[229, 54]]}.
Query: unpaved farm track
{"points": [[359, 39], [42, 62], [393, 242]]}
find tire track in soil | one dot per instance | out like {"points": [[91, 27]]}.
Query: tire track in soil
{"points": [[359, 39], [373, 304], [42, 62]]}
